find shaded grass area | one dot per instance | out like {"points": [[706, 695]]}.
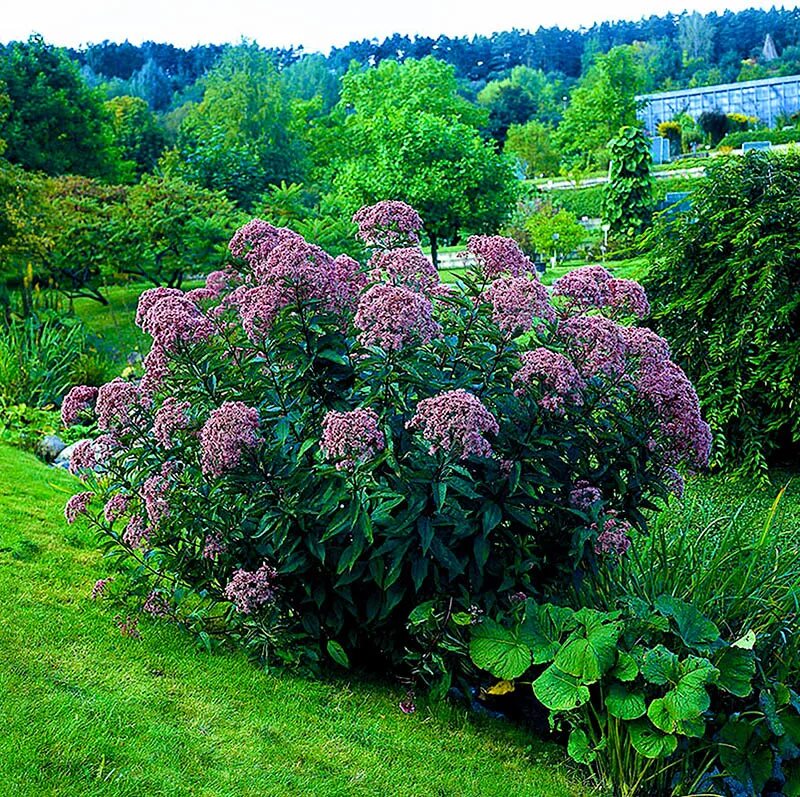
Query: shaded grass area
{"points": [[85, 711]]}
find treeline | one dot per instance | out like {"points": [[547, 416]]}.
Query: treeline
{"points": [[683, 50]]}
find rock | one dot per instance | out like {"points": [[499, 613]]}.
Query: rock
{"points": [[64, 456], [49, 447]]}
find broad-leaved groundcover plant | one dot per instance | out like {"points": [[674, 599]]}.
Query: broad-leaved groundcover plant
{"points": [[318, 446]]}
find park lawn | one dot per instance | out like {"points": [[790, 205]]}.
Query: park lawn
{"points": [[87, 712]]}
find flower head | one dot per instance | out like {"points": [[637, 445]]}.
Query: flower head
{"points": [[172, 320], [556, 377], [497, 256], [388, 224], [99, 588], [251, 590], [157, 605], [78, 404], [171, 416], [77, 505], [136, 532], [405, 266], [627, 298], [584, 289], [393, 317], [149, 297], [214, 546], [455, 422], [595, 344], [83, 457], [229, 431], [349, 438], [614, 538], [116, 507], [518, 302], [116, 401], [584, 495]]}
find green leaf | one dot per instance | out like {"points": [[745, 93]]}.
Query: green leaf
{"points": [[542, 629], [689, 698], [626, 668], [591, 656], [462, 618], [579, 748], [421, 613], [736, 666], [694, 629], [659, 665], [651, 742], [559, 691], [336, 652], [744, 755], [499, 651], [623, 704], [659, 715]]}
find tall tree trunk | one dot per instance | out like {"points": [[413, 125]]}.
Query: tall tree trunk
{"points": [[434, 250]]}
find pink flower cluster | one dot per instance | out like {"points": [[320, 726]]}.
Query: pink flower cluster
{"points": [[614, 539], [157, 605], [258, 308], [350, 438], [255, 240], [594, 288], [554, 374], [116, 507], [497, 255], [595, 344], [388, 224], [171, 416], [172, 320], [99, 588], [154, 495], [136, 532], [214, 546], [78, 404], [393, 317], [518, 302], [455, 422], [406, 266], [250, 590], [229, 431], [156, 369], [83, 457], [77, 505], [116, 401], [686, 437], [218, 281], [584, 495], [644, 347], [149, 298]]}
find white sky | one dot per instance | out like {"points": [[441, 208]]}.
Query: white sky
{"points": [[314, 24]]}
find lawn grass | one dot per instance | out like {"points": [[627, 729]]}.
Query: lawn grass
{"points": [[87, 712]]}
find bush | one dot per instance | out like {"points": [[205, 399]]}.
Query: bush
{"points": [[628, 195], [317, 448], [735, 140], [546, 223], [726, 284]]}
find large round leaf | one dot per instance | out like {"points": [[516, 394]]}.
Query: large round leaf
{"points": [[579, 747], [559, 691], [649, 741], [499, 651], [623, 704]]}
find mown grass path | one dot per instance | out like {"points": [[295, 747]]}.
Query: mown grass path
{"points": [[85, 711]]}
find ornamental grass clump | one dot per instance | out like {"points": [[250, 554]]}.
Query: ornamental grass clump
{"points": [[317, 446]]}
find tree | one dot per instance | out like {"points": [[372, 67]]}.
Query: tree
{"points": [[602, 103], [55, 122], [554, 231], [628, 195], [696, 37], [726, 280], [507, 105], [532, 144], [715, 124], [136, 132], [407, 135], [242, 137]]}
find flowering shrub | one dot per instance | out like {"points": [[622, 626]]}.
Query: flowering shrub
{"points": [[317, 447]]}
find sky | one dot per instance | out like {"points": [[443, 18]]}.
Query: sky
{"points": [[316, 25]]}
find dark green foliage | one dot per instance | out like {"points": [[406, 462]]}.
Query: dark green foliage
{"points": [[726, 286], [628, 196], [55, 123], [714, 124], [736, 140]]}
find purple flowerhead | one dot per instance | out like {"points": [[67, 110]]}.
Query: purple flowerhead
{"points": [[350, 438], [170, 417], [584, 495], [229, 431], [393, 317], [249, 590], [406, 266], [83, 457], [584, 289], [78, 404], [613, 539], [172, 320], [136, 532], [518, 302], [498, 256], [555, 379], [116, 507], [116, 402], [627, 298], [214, 546], [455, 422], [255, 241], [596, 345], [388, 224], [148, 298], [157, 605], [77, 505]]}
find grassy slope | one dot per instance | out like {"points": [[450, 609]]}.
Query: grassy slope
{"points": [[85, 711]]}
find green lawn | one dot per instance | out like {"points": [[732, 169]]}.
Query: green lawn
{"points": [[85, 711]]}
